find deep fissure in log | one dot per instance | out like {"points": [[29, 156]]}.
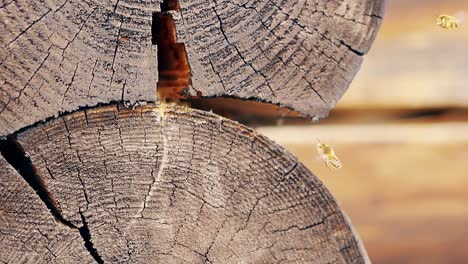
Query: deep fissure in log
{"points": [[173, 66], [170, 5], [86, 235], [15, 155]]}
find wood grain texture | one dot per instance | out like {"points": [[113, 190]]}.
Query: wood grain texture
{"points": [[298, 54], [176, 185], [59, 55], [28, 232]]}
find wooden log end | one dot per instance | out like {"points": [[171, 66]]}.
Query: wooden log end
{"points": [[164, 184], [60, 56]]}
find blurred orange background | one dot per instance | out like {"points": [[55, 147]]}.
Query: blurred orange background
{"points": [[401, 131]]}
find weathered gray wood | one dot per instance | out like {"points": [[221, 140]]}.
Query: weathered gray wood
{"points": [[28, 232], [177, 185], [298, 54], [60, 55]]}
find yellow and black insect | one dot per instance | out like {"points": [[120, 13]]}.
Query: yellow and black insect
{"points": [[447, 22], [328, 156]]}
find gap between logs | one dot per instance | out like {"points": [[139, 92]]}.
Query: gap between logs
{"points": [[173, 66], [15, 155]]}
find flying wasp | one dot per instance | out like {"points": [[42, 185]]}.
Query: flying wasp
{"points": [[447, 22], [450, 22], [328, 156]]}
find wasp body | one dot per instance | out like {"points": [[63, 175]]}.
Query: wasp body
{"points": [[328, 156], [447, 22]]}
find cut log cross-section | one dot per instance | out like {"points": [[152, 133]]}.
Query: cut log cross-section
{"points": [[158, 183], [58, 56], [168, 185]]}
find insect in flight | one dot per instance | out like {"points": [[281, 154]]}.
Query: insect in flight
{"points": [[328, 156], [450, 22]]}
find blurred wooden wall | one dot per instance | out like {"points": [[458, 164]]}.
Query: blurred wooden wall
{"points": [[401, 132], [405, 187]]}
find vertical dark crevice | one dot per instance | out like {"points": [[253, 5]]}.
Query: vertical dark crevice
{"points": [[173, 67], [170, 5], [14, 154], [86, 235]]}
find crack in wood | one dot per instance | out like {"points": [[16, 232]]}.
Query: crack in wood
{"points": [[242, 57], [173, 67], [86, 235], [15, 155], [29, 27]]}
